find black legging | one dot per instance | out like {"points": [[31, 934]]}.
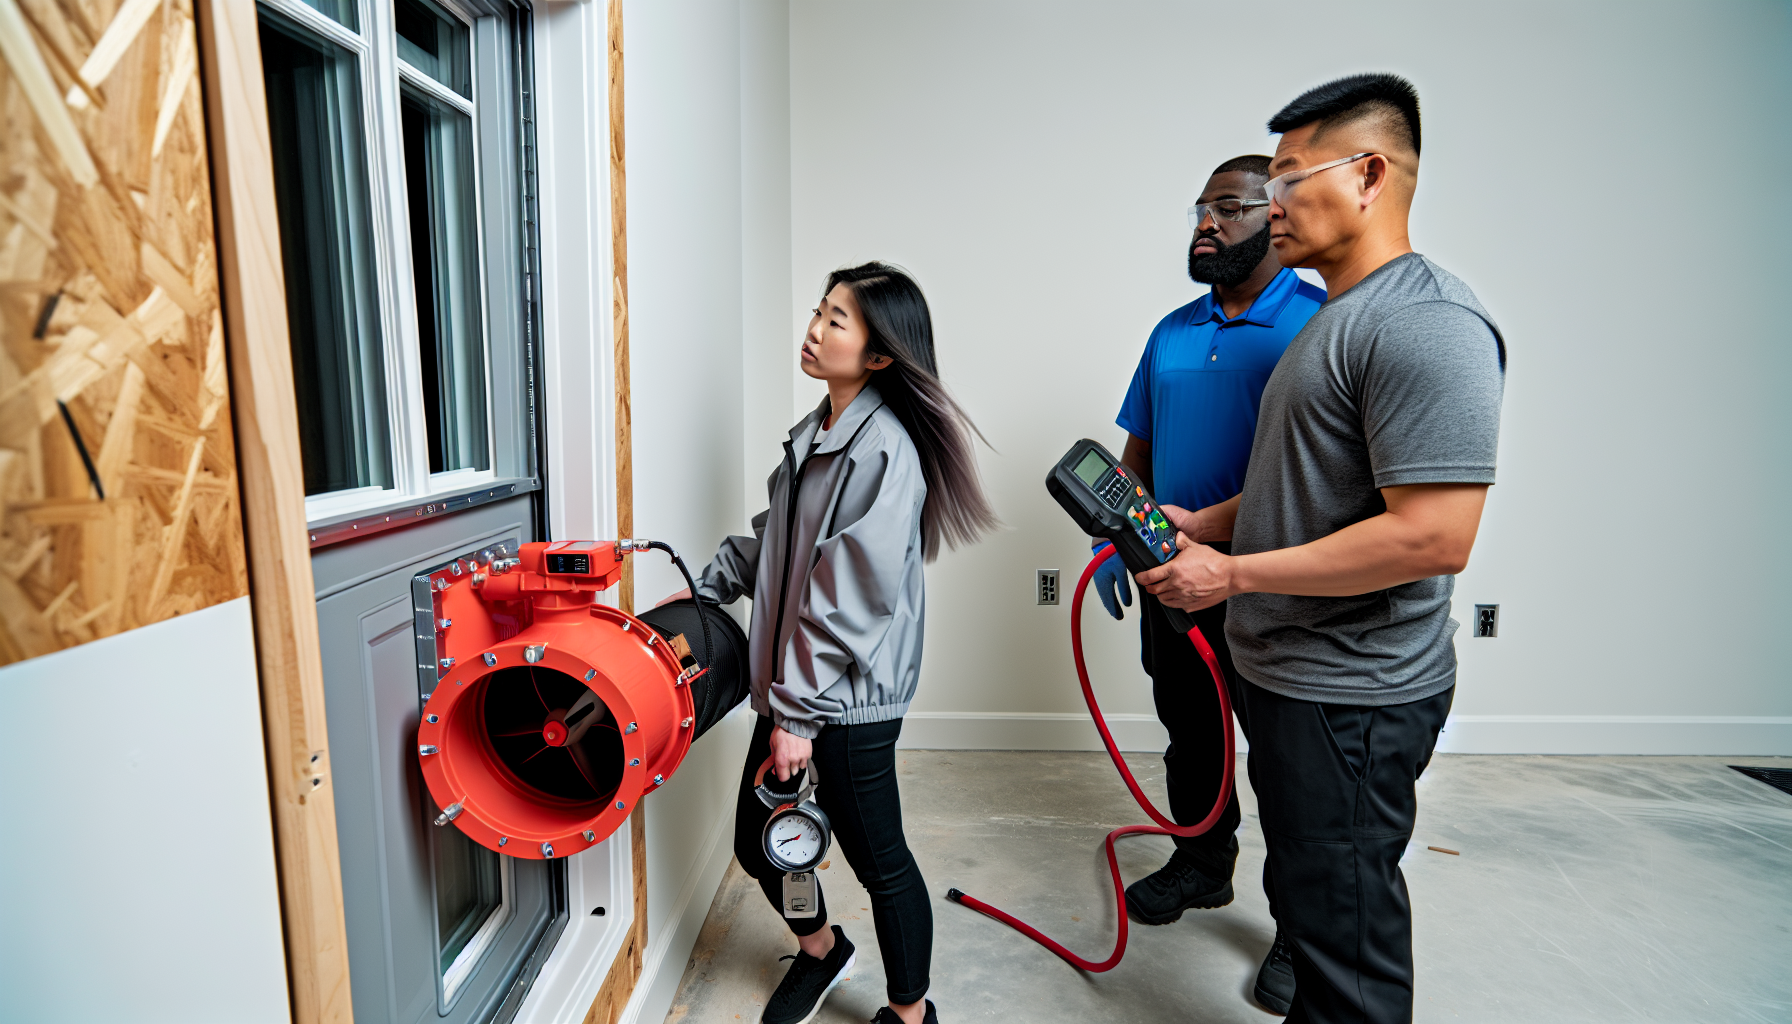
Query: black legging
{"points": [[857, 766]]}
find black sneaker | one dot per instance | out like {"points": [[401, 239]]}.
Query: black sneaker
{"points": [[808, 982], [1275, 979], [1162, 896], [885, 1015]]}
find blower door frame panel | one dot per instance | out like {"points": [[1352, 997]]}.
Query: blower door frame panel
{"points": [[384, 812]]}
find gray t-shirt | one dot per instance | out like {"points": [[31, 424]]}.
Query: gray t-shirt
{"points": [[1396, 381]]}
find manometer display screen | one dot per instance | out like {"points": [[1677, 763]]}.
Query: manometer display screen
{"points": [[577, 565], [1090, 469]]}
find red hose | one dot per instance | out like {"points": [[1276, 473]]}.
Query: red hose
{"points": [[1164, 827]]}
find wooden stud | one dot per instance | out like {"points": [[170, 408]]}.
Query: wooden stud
{"points": [[625, 451], [273, 501], [625, 971]]}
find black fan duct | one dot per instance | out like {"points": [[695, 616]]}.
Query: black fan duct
{"points": [[723, 652]]}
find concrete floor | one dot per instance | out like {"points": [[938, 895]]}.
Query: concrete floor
{"points": [[1587, 889]]}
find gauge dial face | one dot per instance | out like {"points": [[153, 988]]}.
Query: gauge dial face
{"points": [[794, 839]]}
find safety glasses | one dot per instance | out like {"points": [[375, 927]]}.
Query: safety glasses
{"points": [[1222, 209], [1277, 187]]}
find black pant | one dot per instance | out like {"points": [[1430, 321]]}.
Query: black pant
{"points": [[857, 767], [1335, 795], [1189, 708]]}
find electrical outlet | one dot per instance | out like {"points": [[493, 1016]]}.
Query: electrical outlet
{"points": [[1487, 620], [1048, 586]]}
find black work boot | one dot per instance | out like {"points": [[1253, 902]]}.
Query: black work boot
{"points": [[808, 982], [1162, 896], [1275, 979], [885, 1015]]}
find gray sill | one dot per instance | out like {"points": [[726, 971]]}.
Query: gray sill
{"points": [[367, 522]]}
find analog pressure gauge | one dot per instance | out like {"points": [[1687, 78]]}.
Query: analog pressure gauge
{"points": [[797, 835], [796, 838]]}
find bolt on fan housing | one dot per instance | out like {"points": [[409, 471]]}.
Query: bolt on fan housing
{"points": [[553, 714]]}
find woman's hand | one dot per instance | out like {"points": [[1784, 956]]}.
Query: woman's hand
{"points": [[681, 595], [790, 754]]}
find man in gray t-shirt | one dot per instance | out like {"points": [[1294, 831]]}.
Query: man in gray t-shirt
{"points": [[1374, 449], [1394, 383]]}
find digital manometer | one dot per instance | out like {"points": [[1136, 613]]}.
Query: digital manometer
{"points": [[1108, 501]]}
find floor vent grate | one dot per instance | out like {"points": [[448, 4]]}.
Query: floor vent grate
{"points": [[1778, 778]]}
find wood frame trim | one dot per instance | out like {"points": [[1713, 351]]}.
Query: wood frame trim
{"points": [[282, 594], [625, 971]]}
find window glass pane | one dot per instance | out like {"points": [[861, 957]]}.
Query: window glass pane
{"points": [[320, 189], [468, 890], [435, 43], [438, 166], [341, 10]]}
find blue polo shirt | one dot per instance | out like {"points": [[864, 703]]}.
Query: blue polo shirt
{"points": [[1195, 394]]}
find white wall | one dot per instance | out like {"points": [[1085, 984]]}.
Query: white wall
{"points": [[137, 877], [1031, 164], [708, 206]]}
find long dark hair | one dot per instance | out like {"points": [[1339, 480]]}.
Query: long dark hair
{"points": [[895, 311]]}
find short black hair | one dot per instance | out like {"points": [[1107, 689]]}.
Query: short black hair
{"points": [[1345, 99], [1250, 164]]}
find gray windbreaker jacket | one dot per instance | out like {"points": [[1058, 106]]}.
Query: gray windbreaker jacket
{"points": [[835, 575]]}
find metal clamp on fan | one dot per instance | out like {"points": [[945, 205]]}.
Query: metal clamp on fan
{"points": [[552, 715]]}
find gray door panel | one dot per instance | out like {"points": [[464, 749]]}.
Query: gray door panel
{"points": [[384, 812]]}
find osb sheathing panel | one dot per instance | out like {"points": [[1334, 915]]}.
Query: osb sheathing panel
{"points": [[112, 377]]}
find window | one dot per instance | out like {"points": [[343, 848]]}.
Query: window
{"points": [[395, 137], [472, 903], [320, 179]]}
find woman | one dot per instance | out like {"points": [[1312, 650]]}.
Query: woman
{"points": [[872, 481]]}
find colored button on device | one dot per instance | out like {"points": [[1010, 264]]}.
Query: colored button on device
{"points": [[1140, 491]]}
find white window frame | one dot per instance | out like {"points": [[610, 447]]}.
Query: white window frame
{"points": [[383, 75], [467, 960]]}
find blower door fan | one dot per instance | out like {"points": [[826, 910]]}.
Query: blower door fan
{"points": [[553, 734], [519, 742]]}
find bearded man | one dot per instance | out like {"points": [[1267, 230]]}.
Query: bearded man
{"points": [[1189, 417]]}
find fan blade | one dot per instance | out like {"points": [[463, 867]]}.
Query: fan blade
{"points": [[545, 706], [578, 761]]}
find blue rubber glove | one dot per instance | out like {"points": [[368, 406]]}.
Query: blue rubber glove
{"points": [[1110, 584]]}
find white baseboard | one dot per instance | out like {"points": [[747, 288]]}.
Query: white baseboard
{"points": [[1719, 735], [668, 950]]}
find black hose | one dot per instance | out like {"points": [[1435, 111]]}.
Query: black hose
{"points": [[709, 650]]}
